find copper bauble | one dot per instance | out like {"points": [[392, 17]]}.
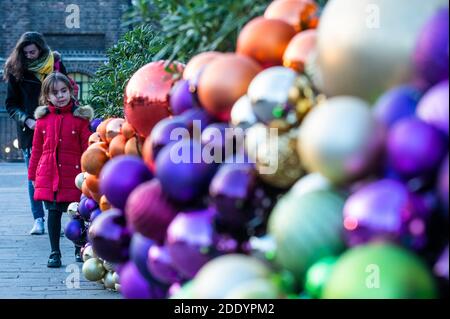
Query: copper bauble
{"points": [[301, 14]]}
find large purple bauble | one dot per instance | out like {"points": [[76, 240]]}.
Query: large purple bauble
{"points": [[397, 103], [120, 176], [110, 237], [415, 148], [433, 107], [149, 211], [191, 241], [74, 229], [231, 191], [432, 53], [181, 98], [139, 247], [385, 210], [161, 133], [160, 265], [86, 207], [183, 174], [443, 183], [134, 286]]}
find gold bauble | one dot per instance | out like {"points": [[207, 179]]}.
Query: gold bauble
{"points": [[88, 253], [340, 139], [108, 266], [365, 46], [116, 278], [108, 281], [275, 156], [93, 269]]}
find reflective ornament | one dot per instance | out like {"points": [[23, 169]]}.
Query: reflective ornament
{"points": [[108, 281], [79, 181], [94, 138], [359, 47], [394, 272], [311, 183], [415, 148], [128, 130], [190, 241], [299, 50], [109, 236], [104, 204], [223, 82], [149, 211], [300, 14], [93, 159], [340, 139], [303, 97], [265, 40], [72, 209], [269, 93], [147, 96], [108, 266], [88, 253], [431, 52], [260, 288], [434, 107], [117, 186], [385, 209], [396, 104], [133, 147], [92, 182], [318, 275], [242, 113], [117, 146], [314, 218], [101, 129], [93, 269], [113, 128], [223, 274], [161, 266], [95, 123], [74, 230]]}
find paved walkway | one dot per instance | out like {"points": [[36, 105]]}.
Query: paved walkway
{"points": [[23, 258]]}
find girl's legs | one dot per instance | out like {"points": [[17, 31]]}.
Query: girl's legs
{"points": [[54, 228]]}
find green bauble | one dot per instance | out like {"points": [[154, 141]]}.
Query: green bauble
{"points": [[261, 288], [306, 228], [380, 271], [318, 275], [221, 275], [186, 291]]}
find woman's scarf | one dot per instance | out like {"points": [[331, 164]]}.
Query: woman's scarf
{"points": [[42, 66]]}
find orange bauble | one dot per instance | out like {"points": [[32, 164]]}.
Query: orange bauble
{"points": [[85, 190], [113, 128], [224, 81], [104, 203], [146, 99], [96, 196], [299, 49], [92, 183], [132, 147], [117, 146], [198, 62], [94, 138], [101, 129], [265, 40], [301, 14], [128, 130], [93, 159]]}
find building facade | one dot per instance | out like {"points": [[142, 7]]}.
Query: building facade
{"points": [[81, 30]]}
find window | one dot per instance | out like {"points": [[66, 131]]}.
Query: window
{"points": [[84, 84]]}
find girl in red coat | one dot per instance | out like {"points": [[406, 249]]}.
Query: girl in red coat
{"points": [[60, 138]]}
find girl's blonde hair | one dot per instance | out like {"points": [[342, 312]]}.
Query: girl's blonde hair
{"points": [[49, 84]]}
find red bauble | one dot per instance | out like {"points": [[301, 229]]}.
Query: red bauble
{"points": [[224, 81], [146, 99], [265, 40]]}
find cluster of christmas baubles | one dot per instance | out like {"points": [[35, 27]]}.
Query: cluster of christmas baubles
{"points": [[311, 163]]}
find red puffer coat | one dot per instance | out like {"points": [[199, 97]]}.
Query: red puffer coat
{"points": [[60, 138]]}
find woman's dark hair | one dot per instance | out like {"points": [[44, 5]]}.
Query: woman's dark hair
{"points": [[16, 63]]}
